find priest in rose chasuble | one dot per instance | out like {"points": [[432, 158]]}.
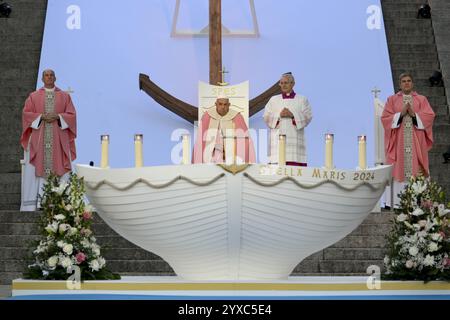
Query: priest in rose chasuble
{"points": [[408, 134], [48, 138]]}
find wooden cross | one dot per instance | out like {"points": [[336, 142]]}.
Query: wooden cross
{"points": [[215, 41], [188, 111]]}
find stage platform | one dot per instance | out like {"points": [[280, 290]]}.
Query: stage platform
{"points": [[173, 288]]}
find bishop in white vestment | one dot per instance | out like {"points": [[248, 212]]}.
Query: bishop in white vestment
{"points": [[288, 114]]}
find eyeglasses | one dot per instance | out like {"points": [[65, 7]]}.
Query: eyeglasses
{"points": [[285, 82]]}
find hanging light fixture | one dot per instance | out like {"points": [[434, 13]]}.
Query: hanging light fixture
{"points": [[5, 9], [436, 79], [424, 12]]}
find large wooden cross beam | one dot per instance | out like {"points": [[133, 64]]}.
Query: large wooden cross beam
{"points": [[186, 110], [215, 41]]}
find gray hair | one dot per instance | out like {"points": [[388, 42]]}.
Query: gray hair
{"points": [[43, 72], [288, 76], [404, 75]]}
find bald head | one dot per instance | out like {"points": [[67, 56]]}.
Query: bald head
{"points": [[222, 106], [48, 71], [48, 78]]}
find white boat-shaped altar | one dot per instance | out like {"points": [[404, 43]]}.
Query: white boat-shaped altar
{"points": [[211, 224]]}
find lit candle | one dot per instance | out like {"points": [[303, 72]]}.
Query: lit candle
{"points": [[282, 150], [138, 138], [240, 149], [237, 160], [105, 145], [329, 137], [237, 153], [186, 148], [362, 152], [229, 149]]}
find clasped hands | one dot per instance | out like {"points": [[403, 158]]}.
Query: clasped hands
{"points": [[285, 113], [407, 109], [49, 117]]}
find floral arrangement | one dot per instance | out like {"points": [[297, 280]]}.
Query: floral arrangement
{"points": [[419, 243], [67, 239]]}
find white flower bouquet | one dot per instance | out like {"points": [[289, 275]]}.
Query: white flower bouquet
{"points": [[67, 240], [419, 242]]}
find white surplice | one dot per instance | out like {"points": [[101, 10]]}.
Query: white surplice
{"points": [[295, 135]]}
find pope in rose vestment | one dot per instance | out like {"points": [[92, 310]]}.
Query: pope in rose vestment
{"points": [[215, 125]]}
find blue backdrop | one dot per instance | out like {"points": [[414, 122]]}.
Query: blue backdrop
{"points": [[98, 48]]}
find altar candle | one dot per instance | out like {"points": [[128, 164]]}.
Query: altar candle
{"points": [[241, 150], [105, 146], [282, 150], [138, 138], [362, 152], [235, 150], [329, 137], [229, 150], [186, 148]]}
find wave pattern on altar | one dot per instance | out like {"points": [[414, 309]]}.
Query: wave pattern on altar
{"points": [[213, 224]]}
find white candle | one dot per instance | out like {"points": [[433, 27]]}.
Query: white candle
{"points": [[235, 150], [362, 152], [105, 146], [229, 150], [282, 150], [186, 148], [240, 150], [329, 138], [138, 139]]}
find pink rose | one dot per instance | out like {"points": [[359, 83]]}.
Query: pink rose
{"points": [[87, 215], [442, 233], [80, 257], [446, 262]]}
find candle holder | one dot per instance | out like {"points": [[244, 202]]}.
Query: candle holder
{"points": [[362, 147], [282, 150], [329, 140], [138, 157], [186, 148], [104, 161]]}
